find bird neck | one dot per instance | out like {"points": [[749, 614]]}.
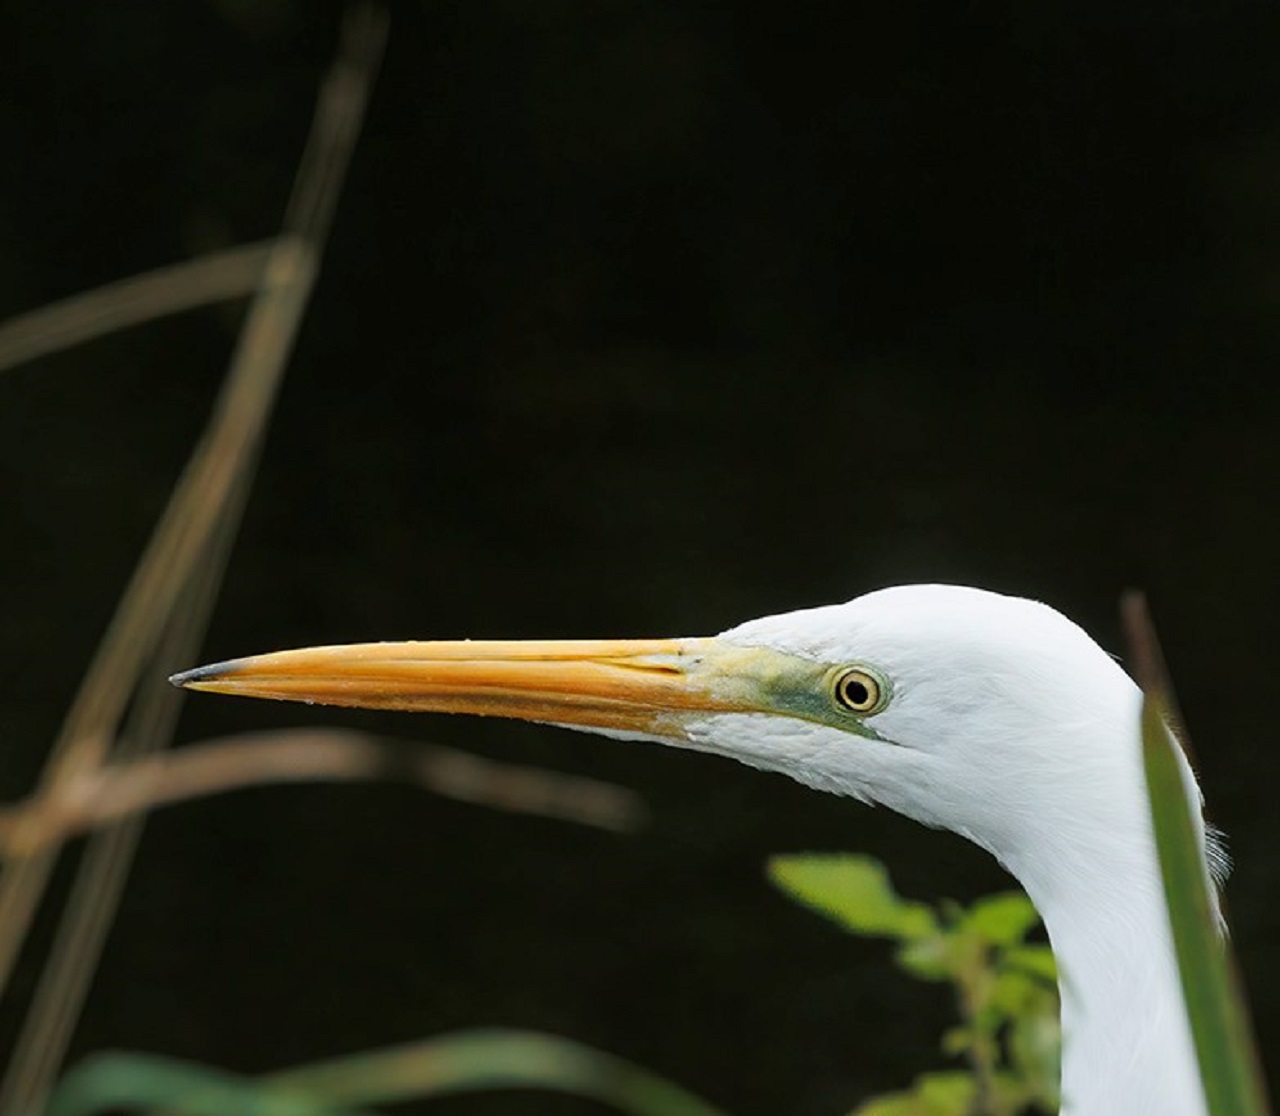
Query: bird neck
{"points": [[1127, 1046]]}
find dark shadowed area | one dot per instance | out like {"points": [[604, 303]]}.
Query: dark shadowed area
{"points": [[640, 319]]}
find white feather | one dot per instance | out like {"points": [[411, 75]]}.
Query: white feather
{"points": [[1009, 725]]}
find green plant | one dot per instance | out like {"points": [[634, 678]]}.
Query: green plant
{"points": [[1225, 1049], [1005, 986], [462, 1062]]}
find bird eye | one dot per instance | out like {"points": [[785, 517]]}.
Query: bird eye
{"points": [[860, 691]]}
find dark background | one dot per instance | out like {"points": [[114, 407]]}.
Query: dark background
{"points": [[642, 319]]}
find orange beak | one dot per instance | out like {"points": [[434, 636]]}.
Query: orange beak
{"points": [[645, 686]]}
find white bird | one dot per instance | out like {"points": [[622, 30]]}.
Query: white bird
{"points": [[991, 716]]}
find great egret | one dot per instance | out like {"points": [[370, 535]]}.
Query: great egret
{"points": [[992, 716]]}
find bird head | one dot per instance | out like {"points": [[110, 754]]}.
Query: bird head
{"points": [[989, 715]]}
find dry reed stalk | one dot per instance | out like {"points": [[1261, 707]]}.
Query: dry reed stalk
{"points": [[163, 611], [123, 788], [215, 277]]}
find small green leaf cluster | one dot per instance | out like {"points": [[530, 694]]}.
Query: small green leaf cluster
{"points": [[1005, 986]]}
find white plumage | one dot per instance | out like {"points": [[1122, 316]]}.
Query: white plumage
{"points": [[988, 715], [1010, 726]]}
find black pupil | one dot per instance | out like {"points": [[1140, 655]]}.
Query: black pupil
{"points": [[856, 692]]}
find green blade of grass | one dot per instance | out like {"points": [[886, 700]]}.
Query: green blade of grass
{"points": [[1229, 1067], [107, 1082], [1228, 1070], [470, 1061], [493, 1059]]}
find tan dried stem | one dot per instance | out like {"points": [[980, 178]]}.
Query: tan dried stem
{"points": [[119, 790], [215, 277], [184, 559]]}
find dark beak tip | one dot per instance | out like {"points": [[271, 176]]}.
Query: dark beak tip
{"points": [[186, 678]]}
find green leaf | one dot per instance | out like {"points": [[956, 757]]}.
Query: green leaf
{"points": [[1219, 1023], [494, 1059], [464, 1062], [933, 1094], [1002, 919], [1035, 1047], [854, 891], [1014, 992], [956, 1040], [931, 958], [112, 1081], [1035, 960]]}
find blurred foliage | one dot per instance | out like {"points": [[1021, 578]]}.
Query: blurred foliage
{"points": [[1005, 990], [464, 1062], [1005, 986]]}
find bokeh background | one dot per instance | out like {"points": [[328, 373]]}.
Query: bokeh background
{"points": [[641, 319]]}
